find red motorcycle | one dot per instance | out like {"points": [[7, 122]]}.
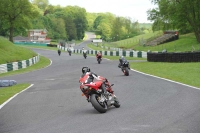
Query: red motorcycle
{"points": [[99, 58], [100, 100]]}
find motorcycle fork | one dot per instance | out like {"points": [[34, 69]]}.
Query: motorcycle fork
{"points": [[102, 98]]}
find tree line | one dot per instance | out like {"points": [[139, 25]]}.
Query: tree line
{"points": [[67, 23], [183, 15]]}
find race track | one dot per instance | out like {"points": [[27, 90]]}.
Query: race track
{"points": [[54, 103]]}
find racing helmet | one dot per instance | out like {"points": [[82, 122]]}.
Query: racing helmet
{"points": [[85, 69], [121, 57]]}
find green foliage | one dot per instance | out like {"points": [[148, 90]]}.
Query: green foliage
{"points": [[177, 14], [59, 32], [12, 53], [91, 18], [172, 71], [7, 92], [42, 4], [16, 14], [186, 42], [134, 42], [70, 29], [41, 64]]}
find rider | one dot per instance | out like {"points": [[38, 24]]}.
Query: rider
{"points": [[90, 78], [69, 49], [59, 52], [84, 51], [121, 61], [99, 55]]}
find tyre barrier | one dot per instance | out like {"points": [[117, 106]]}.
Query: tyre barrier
{"points": [[174, 57]]}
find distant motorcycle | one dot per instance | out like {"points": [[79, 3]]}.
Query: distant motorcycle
{"points": [[125, 68], [70, 52], [99, 60], [59, 52], [99, 57], [85, 54]]}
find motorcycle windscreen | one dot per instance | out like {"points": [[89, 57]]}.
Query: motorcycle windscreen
{"points": [[84, 78], [95, 85]]}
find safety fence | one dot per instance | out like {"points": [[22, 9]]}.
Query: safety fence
{"points": [[139, 54], [18, 65]]}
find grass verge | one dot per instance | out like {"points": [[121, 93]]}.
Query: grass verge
{"points": [[8, 92], [41, 64], [187, 73]]}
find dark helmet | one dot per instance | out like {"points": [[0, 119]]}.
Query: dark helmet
{"points": [[85, 69]]}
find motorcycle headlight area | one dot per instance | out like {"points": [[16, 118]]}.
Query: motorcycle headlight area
{"points": [[85, 87]]}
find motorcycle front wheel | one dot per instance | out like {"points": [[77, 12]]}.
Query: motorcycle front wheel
{"points": [[99, 106]]}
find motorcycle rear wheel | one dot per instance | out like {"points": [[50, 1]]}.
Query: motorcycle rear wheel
{"points": [[100, 107], [126, 71], [99, 61], [116, 104]]}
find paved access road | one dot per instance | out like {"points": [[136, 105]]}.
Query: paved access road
{"points": [[89, 39], [54, 103]]}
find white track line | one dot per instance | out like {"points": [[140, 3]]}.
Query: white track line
{"points": [[1, 106], [166, 79]]}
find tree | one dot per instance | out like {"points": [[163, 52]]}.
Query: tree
{"points": [[80, 21], [117, 29], [16, 14], [103, 25], [91, 18], [3, 31], [177, 14], [59, 31], [42, 4], [70, 29]]}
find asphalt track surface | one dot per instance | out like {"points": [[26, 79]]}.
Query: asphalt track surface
{"points": [[54, 103]]}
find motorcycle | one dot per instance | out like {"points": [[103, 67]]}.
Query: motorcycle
{"points": [[99, 59], [125, 68], [85, 54], [59, 52], [100, 101], [70, 53]]}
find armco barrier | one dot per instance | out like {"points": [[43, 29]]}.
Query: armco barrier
{"points": [[174, 57], [18, 65], [139, 54]]}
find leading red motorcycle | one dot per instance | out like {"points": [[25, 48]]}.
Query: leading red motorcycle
{"points": [[94, 93], [99, 57]]}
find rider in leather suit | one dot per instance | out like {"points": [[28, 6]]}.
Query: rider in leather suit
{"points": [[99, 55], [121, 61], [92, 75]]}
